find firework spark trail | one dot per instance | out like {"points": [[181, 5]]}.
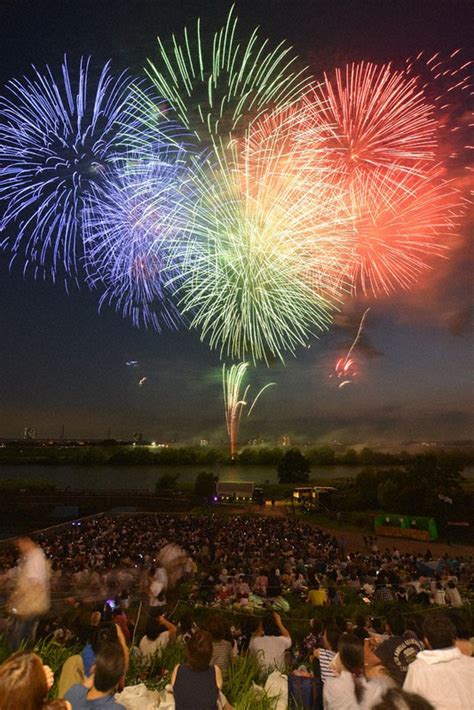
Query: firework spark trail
{"points": [[259, 278], [135, 238], [57, 140], [447, 81], [216, 87], [235, 400]]}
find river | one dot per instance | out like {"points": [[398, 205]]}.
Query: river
{"points": [[145, 477]]}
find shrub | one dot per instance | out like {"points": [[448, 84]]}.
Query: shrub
{"points": [[205, 484]]}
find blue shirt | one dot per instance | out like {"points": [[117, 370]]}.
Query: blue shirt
{"points": [[77, 696], [88, 657]]}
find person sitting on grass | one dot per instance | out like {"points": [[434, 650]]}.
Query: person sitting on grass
{"points": [[270, 642], [197, 683], [442, 674], [397, 699], [109, 670], [318, 596], [221, 647], [453, 597], [25, 683], [78, 667], [463, 634], [326, 655], [158, 634], [400, 649], [350, 688]]}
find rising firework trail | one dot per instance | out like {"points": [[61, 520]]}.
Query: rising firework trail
{"points": [[346, 367], [235, 399]]}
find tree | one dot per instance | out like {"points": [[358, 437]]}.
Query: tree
{"points": [[322, 456], [293, 467], [349, 458], [205, 484], [166, 482]]}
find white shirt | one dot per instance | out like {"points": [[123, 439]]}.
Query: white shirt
{"points": [[339, 693], [156, 588], [444, 677], [453, 597], [35, 567], [270, 650], [31, 597], [148, 648]]}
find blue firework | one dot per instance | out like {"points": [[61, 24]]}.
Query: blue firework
{"points": [[57, 140], [135, 238]]}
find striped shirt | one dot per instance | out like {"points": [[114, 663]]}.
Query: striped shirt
{"points": [[325, 659], [221, 655]]}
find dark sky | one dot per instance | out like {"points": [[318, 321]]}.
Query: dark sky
{"points": [[63, 363]]}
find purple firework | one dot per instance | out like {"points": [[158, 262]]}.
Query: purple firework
{"points": [[57, 140], [135, 237]]}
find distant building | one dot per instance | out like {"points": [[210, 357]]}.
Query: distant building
{"points": [[284, 441], [204, 442], [29, 433]]}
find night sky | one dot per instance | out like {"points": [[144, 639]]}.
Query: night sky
{"points": [[62, 363]]}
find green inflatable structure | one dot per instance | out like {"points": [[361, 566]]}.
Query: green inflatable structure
{"points": [[414, 527]]}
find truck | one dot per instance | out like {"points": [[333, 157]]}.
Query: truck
{"points": [[230, 491], [311, 496]]}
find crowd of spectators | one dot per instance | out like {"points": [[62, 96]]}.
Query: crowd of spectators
{"points": [[103, 568], [237, 561]]}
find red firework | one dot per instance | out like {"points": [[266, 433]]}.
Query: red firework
{"points": [[400, 222], [379, 118], [381, 143]]}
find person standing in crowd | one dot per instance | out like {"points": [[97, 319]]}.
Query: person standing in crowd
{"points": [[270, 642], [31, 597], [156, 590], [25, 683], [108, 672], [442, 674], [197, 683]]}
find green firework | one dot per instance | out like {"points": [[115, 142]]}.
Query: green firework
{"points": [[216, 86]]}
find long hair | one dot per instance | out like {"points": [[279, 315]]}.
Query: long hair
{"points": [[351, 653], [23, 684]]}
